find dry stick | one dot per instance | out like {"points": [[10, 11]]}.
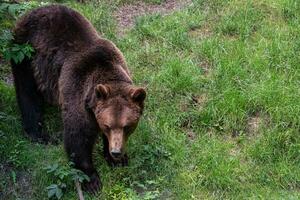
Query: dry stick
{"points": [[78, 187]]}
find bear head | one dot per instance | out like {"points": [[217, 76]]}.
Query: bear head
{"points": [[117, 111]]}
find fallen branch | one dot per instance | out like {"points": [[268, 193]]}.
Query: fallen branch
{"points": [[79, 190]]}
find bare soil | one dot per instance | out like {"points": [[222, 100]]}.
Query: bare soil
{"points": [[127, 14], [254, 123], [17, 183]]}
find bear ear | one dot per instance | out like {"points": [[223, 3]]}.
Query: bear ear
{"points": [[102, 91], [138, 94]]}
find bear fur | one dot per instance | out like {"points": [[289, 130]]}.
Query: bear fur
{"points": [[84, 74]]}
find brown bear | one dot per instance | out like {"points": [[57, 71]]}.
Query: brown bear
{"points": [[85, 75]]}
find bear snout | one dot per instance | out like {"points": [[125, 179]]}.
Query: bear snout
{"points": [[116, 143], [116, 153]]}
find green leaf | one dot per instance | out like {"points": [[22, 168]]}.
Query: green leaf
{"points": [[15, 48], [4, 6], [14, 176], [15, 59], [12, 10], [52, 190], [21, 56], [58, 193], [51, 168], [6, 36], [7, 56]]}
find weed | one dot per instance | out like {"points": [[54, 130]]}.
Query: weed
{"points": [[64, 176]]}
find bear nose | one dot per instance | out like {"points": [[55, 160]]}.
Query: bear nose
{"points": [[116, 153]]}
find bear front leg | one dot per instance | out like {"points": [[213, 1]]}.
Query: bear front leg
{"points": [[109, 159], [79, 147]]}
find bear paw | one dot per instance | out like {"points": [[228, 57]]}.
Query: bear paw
{"points": [[94, 185], [42, 138], [45, 138]]}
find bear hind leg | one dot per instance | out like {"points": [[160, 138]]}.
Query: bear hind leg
{"points": [[29, 101]]}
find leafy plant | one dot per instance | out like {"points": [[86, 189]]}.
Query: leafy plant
{"points": [[8, 49], [13, 10], [11, 51], [63, 177], [149, 188], [16, 156]]}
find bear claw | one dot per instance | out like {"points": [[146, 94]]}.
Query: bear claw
{"points": [[94, 185]]}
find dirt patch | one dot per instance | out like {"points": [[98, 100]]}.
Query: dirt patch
{"points": [[202, 32], [14, 184], [254, 123], [204, 64], [191, 134], [235, 150], [200, 101], [197, 100], [127, 14], [206, 67]]}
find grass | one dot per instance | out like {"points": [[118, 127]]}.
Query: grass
{"points": [[222, 116]]}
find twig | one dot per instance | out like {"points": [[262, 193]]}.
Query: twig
{"points": [[79, 190]]}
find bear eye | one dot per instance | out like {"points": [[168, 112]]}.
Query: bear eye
{"points": [[106, 127], [127, 129]]}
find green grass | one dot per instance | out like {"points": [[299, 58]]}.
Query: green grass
{"points": [[211, 71]]}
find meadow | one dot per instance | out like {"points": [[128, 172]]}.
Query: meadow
{"points": [[222, 114]]}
